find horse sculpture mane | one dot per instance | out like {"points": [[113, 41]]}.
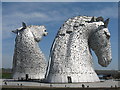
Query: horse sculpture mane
{"points": [[29, 62], [70, 55]]}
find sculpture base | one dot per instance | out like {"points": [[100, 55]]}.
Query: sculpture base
{"points": [[73, 78], [22, 76]]}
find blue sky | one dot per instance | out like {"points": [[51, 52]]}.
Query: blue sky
{"points": [[53, 15]]}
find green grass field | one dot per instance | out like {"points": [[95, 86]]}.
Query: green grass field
{"points": [[6, 75]]}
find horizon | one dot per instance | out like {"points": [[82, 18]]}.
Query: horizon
{"points": [[53, 15]]}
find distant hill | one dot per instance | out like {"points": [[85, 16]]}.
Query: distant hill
{"points": [[8, 70], [114, 73]]}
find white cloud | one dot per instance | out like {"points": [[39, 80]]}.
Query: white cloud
{"points": [[30, 15]]}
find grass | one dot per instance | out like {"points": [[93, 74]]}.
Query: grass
{"points": [[6, 75]]}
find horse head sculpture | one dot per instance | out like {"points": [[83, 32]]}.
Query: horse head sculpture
{"points": [[37, 31], [29, 62], [100, 43], [70, 56]]}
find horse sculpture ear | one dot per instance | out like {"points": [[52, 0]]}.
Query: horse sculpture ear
{"points": [[21, 28], [24, 25], [15, 31], [106, 23], [92, 19], [99, 19]]}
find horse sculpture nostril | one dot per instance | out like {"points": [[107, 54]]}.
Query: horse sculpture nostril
{"points": [[46, 33], [110, 60]]}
